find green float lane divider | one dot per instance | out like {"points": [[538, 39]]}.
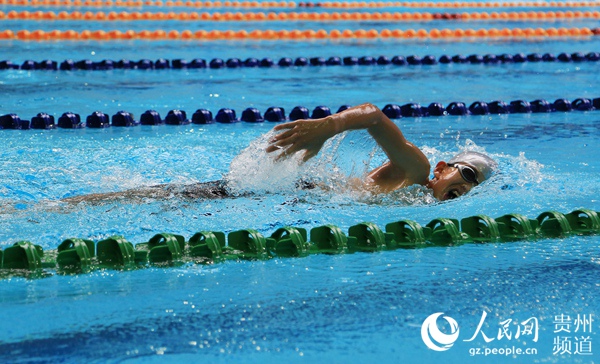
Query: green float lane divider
{"points": [[408, 234], [369, 238], [584, 221], [23, 255], [445, 232], [210, 247], [75, 256], [115, 252], [554, 224], [481, 228], [161, 249], [207, 247], [330, 239], [248, 244], [514, 227], [290, 242]]}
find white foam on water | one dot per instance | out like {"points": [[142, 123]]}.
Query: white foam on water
{"points": [[254, 170]]}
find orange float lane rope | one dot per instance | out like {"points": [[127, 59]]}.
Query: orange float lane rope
{"points": [[299, 16], [159, 34], [151, 3], [449, 4], [293, 4]]}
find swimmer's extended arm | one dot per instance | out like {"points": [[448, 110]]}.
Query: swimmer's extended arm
{"points": [[407, 162]]}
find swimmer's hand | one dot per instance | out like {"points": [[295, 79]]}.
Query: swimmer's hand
{"points": [[307, 135]]}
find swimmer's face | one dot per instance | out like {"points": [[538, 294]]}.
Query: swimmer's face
{"points": [[448, 183]]}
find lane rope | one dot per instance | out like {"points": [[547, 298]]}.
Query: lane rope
{"points": [[76, 255], [284, 62], [149, 3], [297, 16], [100, 120], [294, 4], [450, 4], [295, 34]]}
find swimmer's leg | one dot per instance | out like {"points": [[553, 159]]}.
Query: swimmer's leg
{"points": [[203, 190], [153, 192]]}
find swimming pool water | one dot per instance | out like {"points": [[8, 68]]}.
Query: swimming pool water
{"points": [[349, 308]]}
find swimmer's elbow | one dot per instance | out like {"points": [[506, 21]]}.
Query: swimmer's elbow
{"points": [[370, 108], [364, 116], [372, 116], [424, 168], [423, 178], [418, 173]]}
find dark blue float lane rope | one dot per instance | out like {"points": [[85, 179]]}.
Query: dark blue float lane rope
{"points": [[98, 119], [217, 63]]}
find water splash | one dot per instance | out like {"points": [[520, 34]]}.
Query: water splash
{"points": [[253, 170]]}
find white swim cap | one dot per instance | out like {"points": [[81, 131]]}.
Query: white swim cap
{"points": [[484, 165]]}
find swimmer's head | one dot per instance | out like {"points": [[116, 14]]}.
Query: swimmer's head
{"points": [[459, 175], [483, 165]]}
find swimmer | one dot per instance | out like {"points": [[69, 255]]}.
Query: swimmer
{"points": [[407, 164]]}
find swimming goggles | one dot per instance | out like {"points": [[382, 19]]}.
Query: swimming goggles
{"points": [[468, 173]]}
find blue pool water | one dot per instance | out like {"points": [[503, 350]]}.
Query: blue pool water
{"points": [[348, 308]]}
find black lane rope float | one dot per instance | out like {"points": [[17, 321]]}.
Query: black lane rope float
{"points": [[98, 119], [209, 247], [233, 63]]}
